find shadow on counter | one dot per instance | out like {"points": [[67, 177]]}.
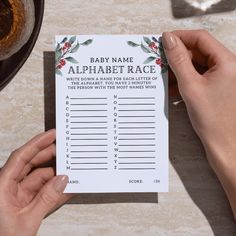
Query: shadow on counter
{"points": [[49, 111], [188, 158], [188, 8]]}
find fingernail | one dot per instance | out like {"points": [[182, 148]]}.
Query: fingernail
{"points": [[60, 183], [168, 40], [51, 131]]}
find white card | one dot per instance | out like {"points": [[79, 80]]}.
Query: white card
{"points": [[111, 113]]}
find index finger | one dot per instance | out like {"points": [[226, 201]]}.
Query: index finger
{"points": [[205, 43], [23, 155]]}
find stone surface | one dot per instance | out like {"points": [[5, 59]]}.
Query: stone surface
{"points": [[196, 204]]}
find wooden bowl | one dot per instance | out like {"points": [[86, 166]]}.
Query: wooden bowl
{"points": [[10, 66]]}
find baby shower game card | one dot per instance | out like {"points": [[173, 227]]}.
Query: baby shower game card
{"points": [[111, 113]]}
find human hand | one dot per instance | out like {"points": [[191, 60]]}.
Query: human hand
{"points": [[27, 194], [210, 97]]}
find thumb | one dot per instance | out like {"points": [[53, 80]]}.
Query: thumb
{"points": [[178, 58], [49, 196]]}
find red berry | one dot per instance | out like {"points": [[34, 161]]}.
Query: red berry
{"points": [[67, 45], [62, 62], [152, 45], [158, 61], [59, 66]]}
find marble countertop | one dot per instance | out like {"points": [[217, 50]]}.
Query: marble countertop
{"points": [[196, 204]]}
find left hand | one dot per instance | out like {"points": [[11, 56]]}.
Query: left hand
{"points": [[28, 193]]}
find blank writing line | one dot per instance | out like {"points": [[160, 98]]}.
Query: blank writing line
{"points": [[136, 138], [136, 97], [89, 127], [86, 116], [136, 168], [88, 157], [135, 157], [88, 163], [129, 122], [139, 151], [128, 163], [88, 168], [136, 127], [138, 110], [88, 104], [134, 104], [87, 98], [131, 145], [136, 116], [87, 151], [89, 145], [88, 110], [90, 134], [88, 122], [135, 133], [89, 139]]}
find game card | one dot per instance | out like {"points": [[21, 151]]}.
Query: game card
{"points": [[112, 113]]}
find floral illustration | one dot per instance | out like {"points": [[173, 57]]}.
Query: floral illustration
{"points": [[155, 49], [64, 50]]}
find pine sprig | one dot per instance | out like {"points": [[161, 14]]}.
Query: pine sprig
{"points": [[64, 49], [154, 47]]}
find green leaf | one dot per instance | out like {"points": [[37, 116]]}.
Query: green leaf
{"points": [[72, 39], [71, 59], [154, 39], [75, 48], [64, 40], [57, 56], [161, 49], [162, 54], [147, 40], [145, 49], [149, 59], [159, 40], [132, 44], [58, 47], [58, 72], [164, 60], [164, 69], [87, 42], [161, 46]]}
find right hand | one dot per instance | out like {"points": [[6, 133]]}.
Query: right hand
{"points": [[210, 97]]}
